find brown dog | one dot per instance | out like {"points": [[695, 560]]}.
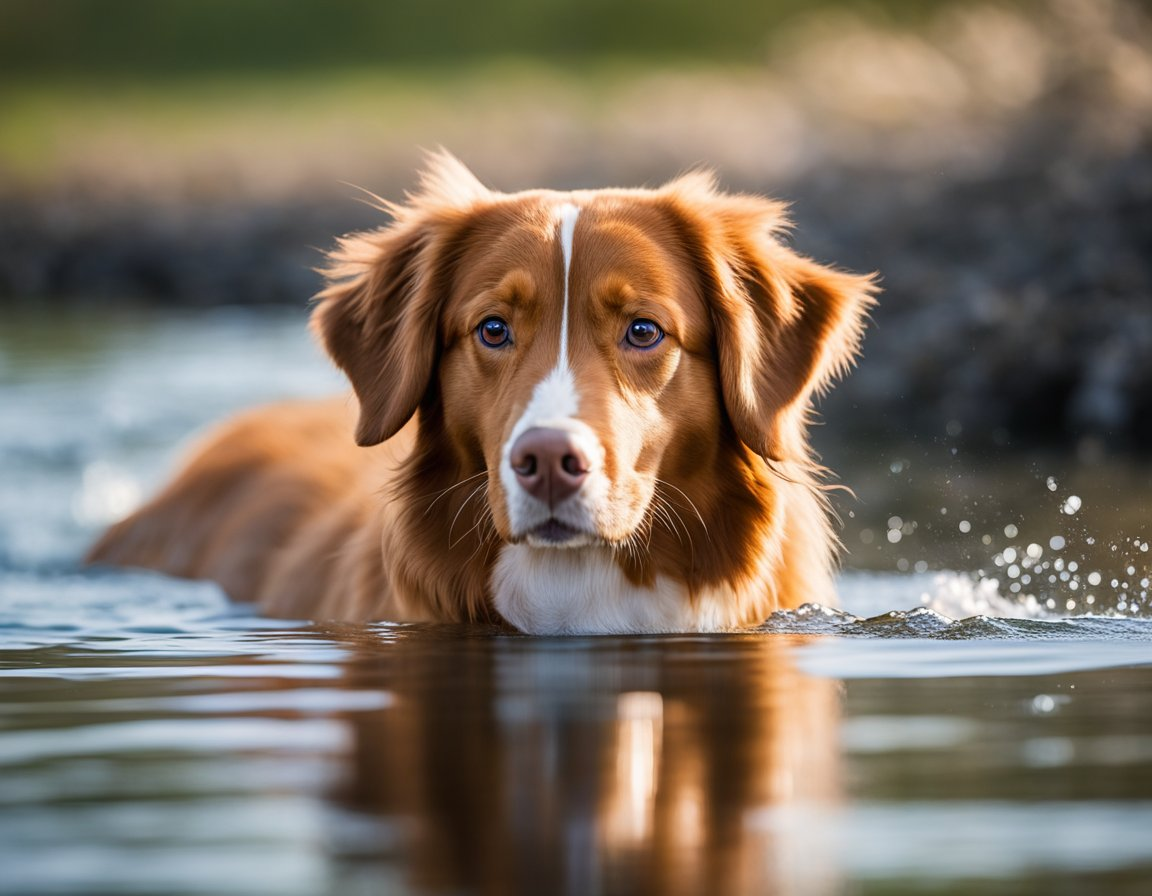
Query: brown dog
{"points": [[577, 412]]}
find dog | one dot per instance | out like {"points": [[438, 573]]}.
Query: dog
{"points": [[575, 412]]}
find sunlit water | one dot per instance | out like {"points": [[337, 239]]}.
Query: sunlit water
{"points": [[939, 731]]}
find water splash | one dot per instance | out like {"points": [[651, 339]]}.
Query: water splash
{"points": [[958, 596], [1057, 557], [948, 606]]}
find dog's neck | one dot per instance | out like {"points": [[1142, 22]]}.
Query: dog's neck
{"points": [[710, 558]]}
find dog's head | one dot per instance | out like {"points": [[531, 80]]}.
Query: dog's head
{"points": [[583, 347]]}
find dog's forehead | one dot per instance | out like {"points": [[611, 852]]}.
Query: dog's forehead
{"points": [[614, 237]]}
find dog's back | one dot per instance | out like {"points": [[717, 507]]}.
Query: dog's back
{"points": [[279, 506]]}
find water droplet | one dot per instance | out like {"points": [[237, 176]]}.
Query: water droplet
{"points": [[867, 536], [895, 522], [1010, 531], [1043, 703], [921, 566], [1051, 483], [965, 526], [894, 536], [1093, 578], [1070, 605], [1071, 504], [1034, 551], [986, 539], [1009, 555], [1056, 543]]}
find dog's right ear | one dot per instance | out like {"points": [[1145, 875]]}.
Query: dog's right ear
{"points": [[379, 316]]}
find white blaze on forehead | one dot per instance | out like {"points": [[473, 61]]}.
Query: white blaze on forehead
{"points": [[554, 399], [567, 214]]}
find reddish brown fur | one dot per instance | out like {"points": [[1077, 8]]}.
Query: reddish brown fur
{"points": [[282, 508]]}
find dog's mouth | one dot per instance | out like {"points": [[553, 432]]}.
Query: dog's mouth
{"points": [[552, 533]]}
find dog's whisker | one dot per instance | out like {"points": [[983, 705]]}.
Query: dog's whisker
{"points": [[658, 515], [483, 536], [482, 487], [673, 516], [691, 504], [482, 492], [486, 534], [649, 527], [440, 494], [475, 526], [668, 515]]}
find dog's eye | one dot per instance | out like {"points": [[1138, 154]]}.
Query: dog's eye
{"points": [[644, 333], [494, 332]]}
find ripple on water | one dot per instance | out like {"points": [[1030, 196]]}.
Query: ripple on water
{"points": [[951, 606]]}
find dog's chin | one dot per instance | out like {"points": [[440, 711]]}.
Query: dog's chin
{"points": [[554, 534]]}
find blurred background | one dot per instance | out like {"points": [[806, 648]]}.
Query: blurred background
{"points": [[171, 172], [992, 161]]}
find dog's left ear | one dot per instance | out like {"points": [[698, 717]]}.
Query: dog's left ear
{"points": [[379, 317], [785, 325]]}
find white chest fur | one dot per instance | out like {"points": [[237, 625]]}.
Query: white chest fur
{"points": [[544, 591]]}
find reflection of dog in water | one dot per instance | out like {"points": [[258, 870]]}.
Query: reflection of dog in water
{"points": [[515, 767], [577, 412]]}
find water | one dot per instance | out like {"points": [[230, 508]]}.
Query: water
{"points": [[937, 733]]}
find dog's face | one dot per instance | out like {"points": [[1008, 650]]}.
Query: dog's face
{"points": [[591, 352], [574, 348]]}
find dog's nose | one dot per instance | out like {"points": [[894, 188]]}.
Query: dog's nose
{"points": [[548, 464]]}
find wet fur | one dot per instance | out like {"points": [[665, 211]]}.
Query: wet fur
{"points": [[390, 507]]}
